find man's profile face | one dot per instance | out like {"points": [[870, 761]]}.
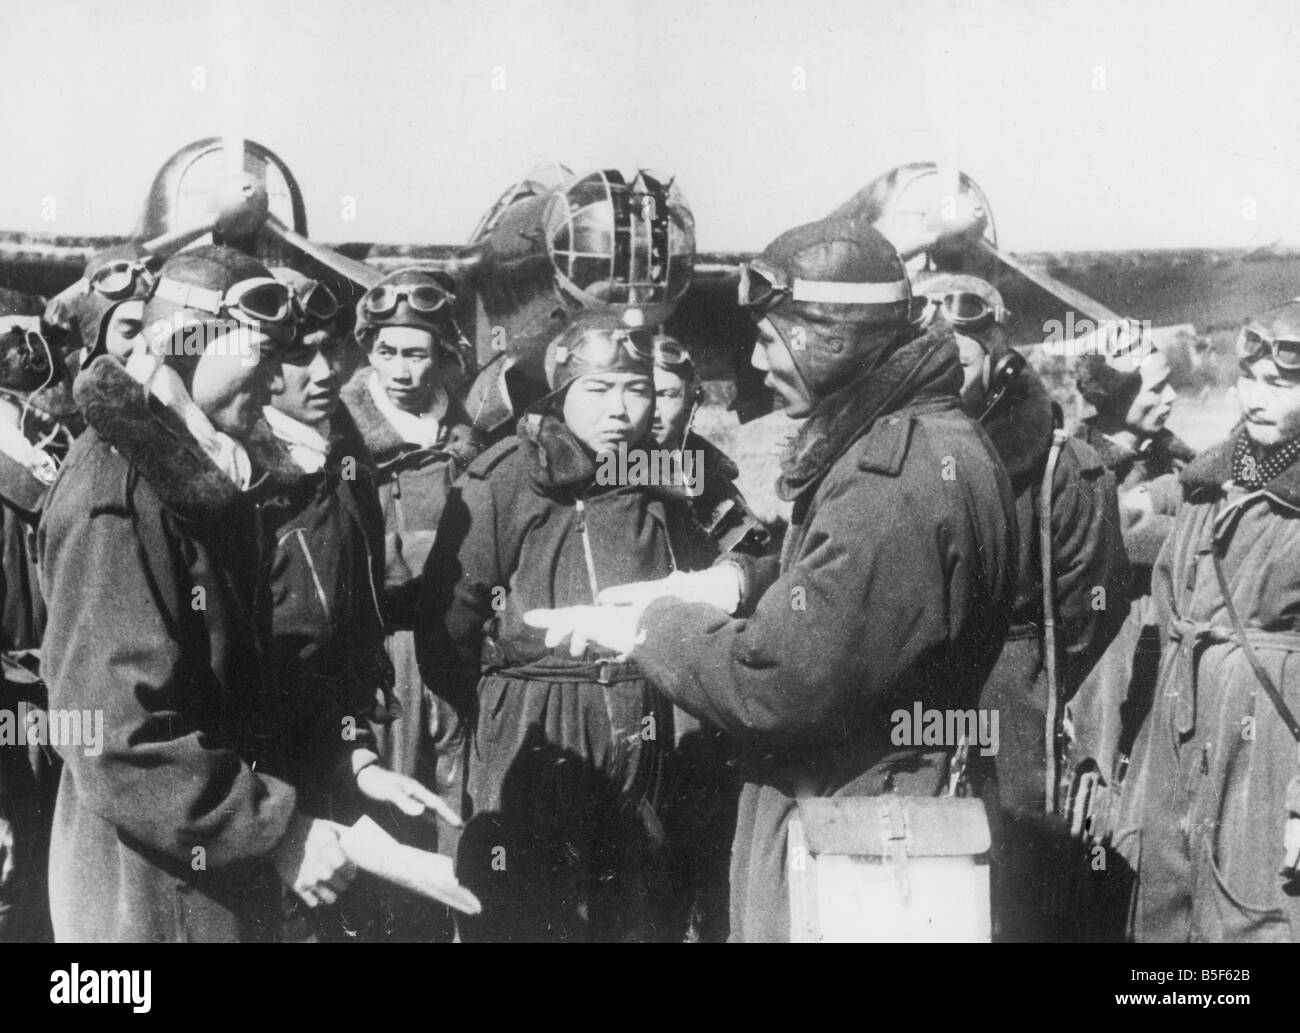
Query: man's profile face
{"points": [[233, 392], [1155, 398], [772, 356], [1270, 400]]}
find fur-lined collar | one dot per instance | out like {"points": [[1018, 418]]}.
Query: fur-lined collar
{"points": [[559, 461], [155, 440], [715, 460], [1208, 473], [1021, 427], [346, 440], [924, 370], [387, 447], [1163, 452], [1115, 456]]}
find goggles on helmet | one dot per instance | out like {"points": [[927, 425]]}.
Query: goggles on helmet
{"points": [[1284, 350], [669, 354], [383, 300], [258, 299], [763, 288], [316, 304], [600, 348], [969, 312], [117, 280]]}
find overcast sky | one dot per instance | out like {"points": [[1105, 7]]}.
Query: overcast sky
{"points": [[1137, 123]]}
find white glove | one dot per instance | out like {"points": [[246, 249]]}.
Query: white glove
{"points": [[717, 586], [614, 627]]}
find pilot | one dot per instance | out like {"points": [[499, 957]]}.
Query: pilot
{"points": [[699, 810], [1035, 866], [719, 508], [895, 582], [29, 775], [102, 311], [327, 571], [1130, 392], [177, 821], [320, 322], [1127, 382], [1211, 810], [565, 764], [419, 437]]}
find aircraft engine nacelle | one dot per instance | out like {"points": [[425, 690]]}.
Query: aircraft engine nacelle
{"points": [[556, 245], [194, 186], [903, 202]]}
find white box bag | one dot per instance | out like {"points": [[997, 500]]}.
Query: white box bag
{"points": [[891, 868]]}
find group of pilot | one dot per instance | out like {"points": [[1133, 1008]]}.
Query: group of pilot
{"points": [[303, 587]]}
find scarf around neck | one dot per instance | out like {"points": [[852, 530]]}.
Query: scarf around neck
{"points": [[925, 367], [1253, 466], [309, 447], [425, 430]]}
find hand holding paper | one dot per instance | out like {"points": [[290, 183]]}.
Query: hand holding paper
{"points": [[431, 875], [405, 793]]}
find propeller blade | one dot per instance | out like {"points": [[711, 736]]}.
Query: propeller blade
{"points": [[1077, 300], [167, 244], [362, 275]]}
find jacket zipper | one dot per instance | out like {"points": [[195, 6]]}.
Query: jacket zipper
{"points": [[300, 535], [586, 550]]}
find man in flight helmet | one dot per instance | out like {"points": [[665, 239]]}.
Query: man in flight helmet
{"points": [[893, 586]]}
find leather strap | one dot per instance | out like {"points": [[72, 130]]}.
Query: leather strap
{"points": [[1047, 558], [1279, 704]]}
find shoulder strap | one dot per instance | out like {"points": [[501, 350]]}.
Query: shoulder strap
{"points": [[1279, 704]]}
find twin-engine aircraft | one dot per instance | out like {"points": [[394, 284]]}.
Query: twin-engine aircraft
{"points": [[556, 243]]}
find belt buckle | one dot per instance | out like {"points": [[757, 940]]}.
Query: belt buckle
{"points": [[603, 672]]}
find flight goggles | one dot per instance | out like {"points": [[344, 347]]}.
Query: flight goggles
{"points": [[316, 303], [119, 279], [763, 288], [1284, 350], [669, 354], [600, 349], [383, 300], [259, 299], [969, 312]]}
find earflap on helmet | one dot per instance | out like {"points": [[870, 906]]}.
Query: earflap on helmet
{"points": [[839, 293]]}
